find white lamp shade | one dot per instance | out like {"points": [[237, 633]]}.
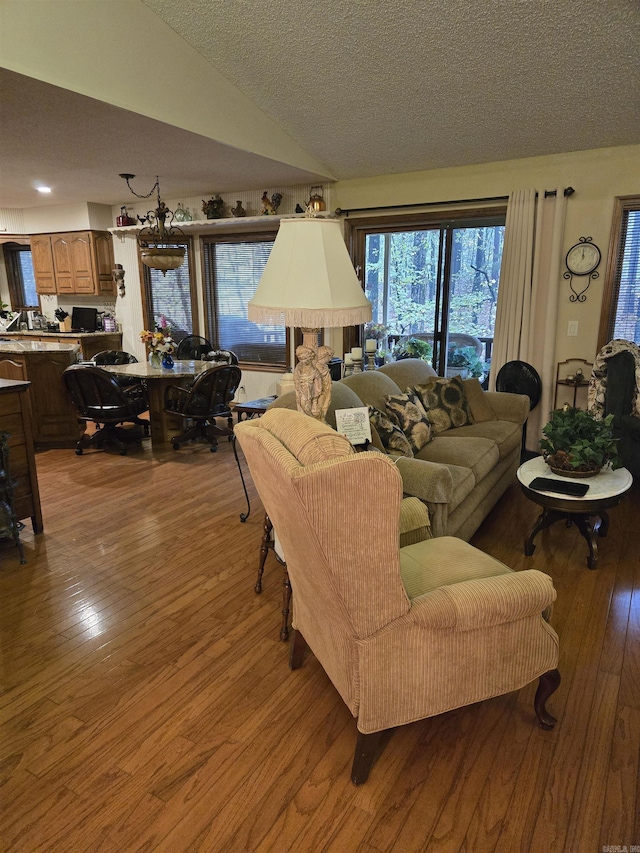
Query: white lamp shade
{"points": [[309, 279]]}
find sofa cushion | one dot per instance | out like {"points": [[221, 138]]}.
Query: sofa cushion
{"points": [[407, 411], [445, 403], [408, 372], [433, 563], [478, 454], [477, 400], [392, 438], [372, 387], [505, 434]]}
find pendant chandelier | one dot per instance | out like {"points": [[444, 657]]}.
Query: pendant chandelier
{"points": [[157, 240]]}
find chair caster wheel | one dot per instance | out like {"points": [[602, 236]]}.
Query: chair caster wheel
{"points": [[78, 451], [123, 453], [213, 449], [243, 517], [176, 447]]}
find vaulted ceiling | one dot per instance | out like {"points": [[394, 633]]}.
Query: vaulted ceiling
{"points": [[367, 87]]}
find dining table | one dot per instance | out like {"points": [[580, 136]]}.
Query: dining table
{"points": [[157, 379]]}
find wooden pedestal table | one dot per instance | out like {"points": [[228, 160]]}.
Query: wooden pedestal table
{"points": [[606, 490], [163, 424]]}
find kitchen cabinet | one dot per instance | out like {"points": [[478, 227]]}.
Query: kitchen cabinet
{"points": [[74, 262], [15, 418], [54, 421], [42, 258]]}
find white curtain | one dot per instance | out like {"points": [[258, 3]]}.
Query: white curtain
{"points": [[530, 278]]}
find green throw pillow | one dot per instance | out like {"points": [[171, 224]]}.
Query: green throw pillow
{"points": [[444, 402], [392, 438], [407, 411]]}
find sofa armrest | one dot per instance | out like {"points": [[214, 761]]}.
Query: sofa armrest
{"points": [[509, 407], [429, 481], [484, 602]]}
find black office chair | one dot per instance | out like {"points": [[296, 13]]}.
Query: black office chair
{"points": [[99, 399], [193, 347], [204, 401], [518, 377]]}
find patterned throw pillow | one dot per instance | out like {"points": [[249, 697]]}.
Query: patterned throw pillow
{"points": [[392, 438], [407, 411], [445, 403]]}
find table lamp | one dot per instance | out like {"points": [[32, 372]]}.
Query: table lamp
{"points": [[309, 281]]}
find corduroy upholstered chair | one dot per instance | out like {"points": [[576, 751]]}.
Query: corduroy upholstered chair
{"points": [[403, 633]]}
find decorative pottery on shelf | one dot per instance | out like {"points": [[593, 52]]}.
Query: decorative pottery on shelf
{"points": [[155, 359], [167, 360]]}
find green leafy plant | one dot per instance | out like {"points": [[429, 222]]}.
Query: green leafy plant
{"points": [[466, 358], [413, 348], [575, 441]]}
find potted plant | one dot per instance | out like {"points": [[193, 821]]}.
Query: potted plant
{"points": [[465, 361], [413, 348], [577, 445]]}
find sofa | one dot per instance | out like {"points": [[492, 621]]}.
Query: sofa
{"points": [[462, 472]]}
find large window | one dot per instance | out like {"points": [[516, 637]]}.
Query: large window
{"points": [[232, 269], [437, 280], [620, 316], [20, 277], [171, 296]]}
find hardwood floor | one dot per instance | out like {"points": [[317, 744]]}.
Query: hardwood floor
{"points": [[148, 706]]}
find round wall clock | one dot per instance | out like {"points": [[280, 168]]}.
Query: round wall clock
{"points": [[582, 260]]}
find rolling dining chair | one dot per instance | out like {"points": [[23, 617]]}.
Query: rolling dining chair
{"points": [[99, 399], [193, 347]]}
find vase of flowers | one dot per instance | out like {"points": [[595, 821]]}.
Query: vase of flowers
{"points": [[159, 344]]}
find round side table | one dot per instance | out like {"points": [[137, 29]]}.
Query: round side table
{"points": [[606, 490]]}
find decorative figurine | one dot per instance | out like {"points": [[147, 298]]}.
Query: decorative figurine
{"points": [[299, 208], [270, 205], [238, 210], [214, 208]]}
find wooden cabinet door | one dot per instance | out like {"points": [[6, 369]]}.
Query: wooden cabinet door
{"points": [[103, 252], [63, 262], [82, 263], [43, 267]]}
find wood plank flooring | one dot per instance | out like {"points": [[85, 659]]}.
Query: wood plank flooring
{"points": [[147, 704]]}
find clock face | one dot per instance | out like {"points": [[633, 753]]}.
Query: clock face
{"points": [[583, 258]]}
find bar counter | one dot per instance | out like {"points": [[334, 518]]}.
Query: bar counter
{"points": [[90, 343], [53, 419]]}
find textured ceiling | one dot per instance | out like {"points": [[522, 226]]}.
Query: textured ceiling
{"points": [[367, 87], [381, 86]]}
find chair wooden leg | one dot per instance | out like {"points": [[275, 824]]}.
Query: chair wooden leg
{"points": [[549, 683], [264, 550], [365, 752], [298, 648], [286, 602]]}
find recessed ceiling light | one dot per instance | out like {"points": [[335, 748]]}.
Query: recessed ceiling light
{"points": [[44, 189]]}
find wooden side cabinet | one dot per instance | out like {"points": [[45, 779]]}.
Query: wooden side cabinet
{"points": [[74, 262], [15, 418]]}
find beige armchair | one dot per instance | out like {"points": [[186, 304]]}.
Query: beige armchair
{"points": [[403, 633]]}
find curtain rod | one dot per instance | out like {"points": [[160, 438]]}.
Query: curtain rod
{"points": [[339, 211]]}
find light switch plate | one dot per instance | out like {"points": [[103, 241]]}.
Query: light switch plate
{"points": [[572, 330]]}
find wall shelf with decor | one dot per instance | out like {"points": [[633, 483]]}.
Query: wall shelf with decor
{"points": [[235, 223], [573, 373]]}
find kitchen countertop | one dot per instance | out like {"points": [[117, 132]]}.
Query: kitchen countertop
{"points": [[18, 347], [38, 333]]}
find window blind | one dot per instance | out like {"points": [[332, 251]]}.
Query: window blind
{"points": [[169, 296], [232, 271], [626, 281]]}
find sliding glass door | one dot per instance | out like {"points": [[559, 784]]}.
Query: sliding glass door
{"points": [[438, 283]]}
